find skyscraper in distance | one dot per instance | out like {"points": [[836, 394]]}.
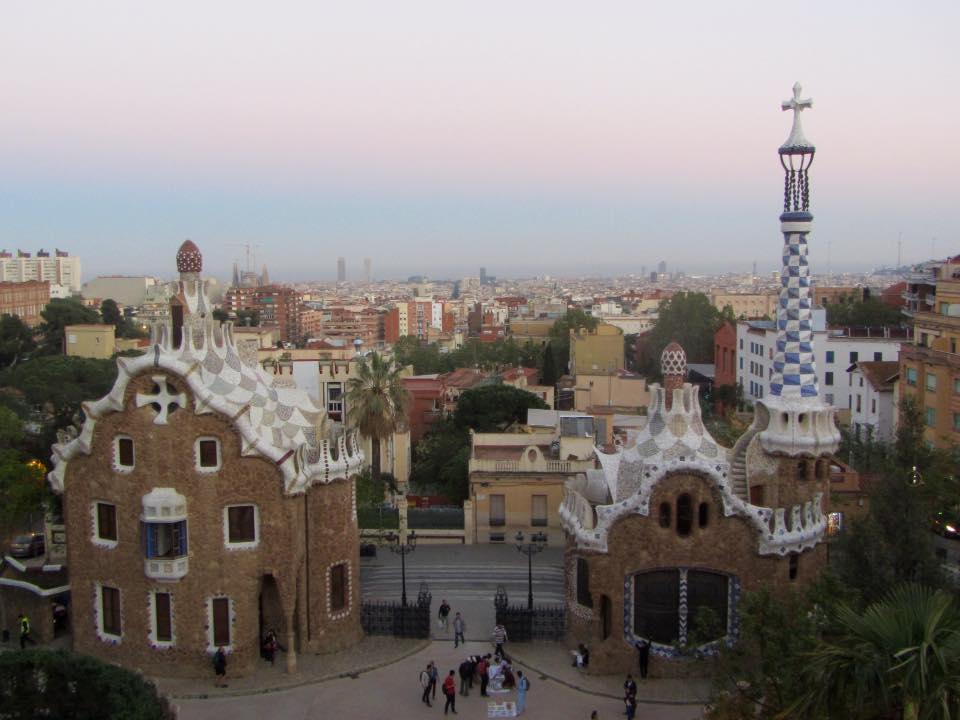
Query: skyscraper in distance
{"points": [[341, 270], [366, 269]]}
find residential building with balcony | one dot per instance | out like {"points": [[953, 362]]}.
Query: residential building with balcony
{"points": [[517, 479], [26, 300], [930, 366], [873, 412]]}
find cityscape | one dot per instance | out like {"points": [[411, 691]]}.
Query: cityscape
{"points": [[409, 370]]}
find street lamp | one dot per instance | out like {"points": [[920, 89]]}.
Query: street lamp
{"points": [[537, 542], [402, 550]]}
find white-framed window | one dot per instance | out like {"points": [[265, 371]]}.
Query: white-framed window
{"points": [[221, 619], [207, 456], [109, 612], [339, 590], [241, 526], [124, 454], [161, 619], [105, 531]]}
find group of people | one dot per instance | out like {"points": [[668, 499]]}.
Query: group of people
{"points": [[270, 645], [492, 671]]}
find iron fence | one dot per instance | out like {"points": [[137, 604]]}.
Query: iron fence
{"points": [[392, 618], [543, 622]]}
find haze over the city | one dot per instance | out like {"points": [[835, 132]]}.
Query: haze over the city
{"points": [[435, 137]]}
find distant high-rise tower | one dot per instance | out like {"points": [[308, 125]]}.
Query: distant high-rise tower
{"points": [[662, 267], [483, 276], [236, 274], [264, 276], [341, 270], [366, 270]]}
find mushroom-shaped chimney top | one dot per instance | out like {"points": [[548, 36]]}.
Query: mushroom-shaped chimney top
{"points": [[189, 259], [673, 361]]}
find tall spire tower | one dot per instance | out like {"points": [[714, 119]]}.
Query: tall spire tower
{"points": [[800, 423]]}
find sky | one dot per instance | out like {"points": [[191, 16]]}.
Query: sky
{"points": [[438, 136]]}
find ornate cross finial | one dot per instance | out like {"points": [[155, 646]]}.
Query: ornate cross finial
{"points": [[798, 105], [162, 400]]}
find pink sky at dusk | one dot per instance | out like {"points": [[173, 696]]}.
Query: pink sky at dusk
{"points": [[448, 125]]}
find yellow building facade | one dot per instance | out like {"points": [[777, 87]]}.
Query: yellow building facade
{"points": [[600, 349], [94, 340]]}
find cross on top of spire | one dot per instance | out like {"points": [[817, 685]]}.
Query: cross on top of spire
{"points": [[796, 142]]}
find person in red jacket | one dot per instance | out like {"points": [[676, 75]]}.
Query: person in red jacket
{"points": [[450, 690]]}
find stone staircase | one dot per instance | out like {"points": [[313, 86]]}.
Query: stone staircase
{"points": [[738, 464]]}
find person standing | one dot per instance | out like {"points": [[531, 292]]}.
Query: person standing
{"points": [[220, 667], [482, 672], [443, 614], [631, 703], [629, 688], [450, 690], [25, 630], [425, 677], [459, 627], [499, 638], [643, 657], [522, 686]]}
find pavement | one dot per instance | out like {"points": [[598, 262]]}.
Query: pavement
{"points": [[379, 679]]}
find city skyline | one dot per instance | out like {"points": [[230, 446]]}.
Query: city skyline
{"points": [[435, 139]]}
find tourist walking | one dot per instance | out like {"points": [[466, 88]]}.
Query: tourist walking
{"points": [[443, 614], [25, 630], [522, 686], [466, 669], [459, 627], [629, 687], [434, 679], [499, 638], [450, 691], [220, 668], [425, 684]]}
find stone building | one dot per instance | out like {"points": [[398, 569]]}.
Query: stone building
{"points": [[204, 504], [662, 542]]}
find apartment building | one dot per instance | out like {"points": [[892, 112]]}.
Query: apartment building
{"points": [[59, 269], [26, 300]]}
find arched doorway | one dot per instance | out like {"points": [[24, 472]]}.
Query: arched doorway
{"points": [[271, 608]]}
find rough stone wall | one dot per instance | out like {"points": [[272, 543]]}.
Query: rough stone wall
{"points": [[39, 609], [638, 543], [164, 457], [333, 539]]}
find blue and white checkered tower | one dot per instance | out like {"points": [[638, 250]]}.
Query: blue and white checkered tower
{"points": [[800, 422]]}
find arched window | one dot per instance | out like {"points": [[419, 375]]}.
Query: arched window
{"points": [[659, 615], [665, 513], [583, 583], [703, 514], [684, 515]]}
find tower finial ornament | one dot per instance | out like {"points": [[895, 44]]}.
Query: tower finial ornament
{"points": [[797, 141], [796, 157]]}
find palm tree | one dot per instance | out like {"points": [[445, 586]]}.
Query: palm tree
{"points": [[899, 658], [376, 403]]}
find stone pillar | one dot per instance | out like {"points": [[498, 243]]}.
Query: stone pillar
{"points": [[402, 511], [469, 526], [291, 648]]}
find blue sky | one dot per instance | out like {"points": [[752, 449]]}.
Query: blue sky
{"points": [[536, 137]]}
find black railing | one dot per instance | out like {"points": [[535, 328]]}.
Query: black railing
{"points": [[392, 618], [523, 624]]}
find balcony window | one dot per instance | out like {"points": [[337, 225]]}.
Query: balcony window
{"points": [[930, 417], [335, 401], [930, 382], [911, 376], [830, 356], [538, 511], [165, 540], [163, 534], [498, 517]]}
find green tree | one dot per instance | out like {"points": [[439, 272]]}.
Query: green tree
{"points": [[902, 654], [376, 402], [491, 408], [248, 318], [16, 339], [57, 315], [220, 315], [45, 684], [441, 461], [870, 313], [111, 315], [688, 318], [548, 372]]}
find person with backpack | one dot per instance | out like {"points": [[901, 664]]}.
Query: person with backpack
{"points": [[425, 681], [450, 690], [522, 686]]}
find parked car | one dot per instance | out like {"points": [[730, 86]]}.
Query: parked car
{"points": [[947, 525], [28, 545]]}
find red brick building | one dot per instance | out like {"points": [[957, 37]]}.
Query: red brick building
{"points": [[427, 393], [276, 304], [24, 299], [725, 355]]}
